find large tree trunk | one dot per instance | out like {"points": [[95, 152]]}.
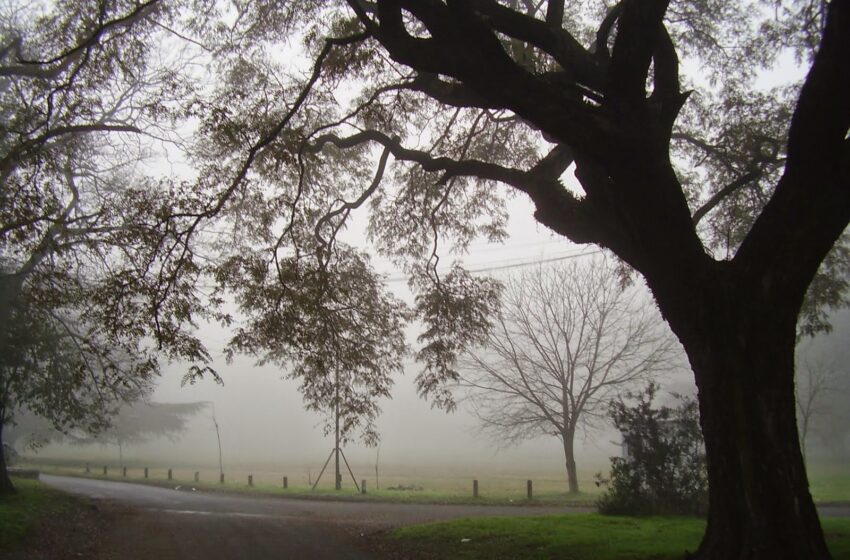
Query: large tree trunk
{"points": [[741, 349], [6, 486]]}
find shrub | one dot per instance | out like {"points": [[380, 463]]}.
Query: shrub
{"points": [[663, 470]]}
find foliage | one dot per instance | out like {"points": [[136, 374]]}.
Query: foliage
{"points": [[335, 325], [87, 96], [664, 467], [59, 367], [141, 421], [567, 337], [416, 118]]}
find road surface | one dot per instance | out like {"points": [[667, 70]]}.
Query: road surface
{"points": [[165, 523]]}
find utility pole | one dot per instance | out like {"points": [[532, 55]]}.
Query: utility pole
{"points": [[218, 436]]}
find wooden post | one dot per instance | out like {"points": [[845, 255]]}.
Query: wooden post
{"points": [[363, 486], [169, 474], [250, 480], [197, 476], [528, 489], [285, 483], [146, 472], [222, 478], [124, 472], [87, 468], [475, 488], [104, 470]]}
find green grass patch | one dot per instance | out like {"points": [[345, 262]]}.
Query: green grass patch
{"points": [[21, 512], [575, 537], [829, 483]]}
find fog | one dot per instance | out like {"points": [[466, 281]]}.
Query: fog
{"points": [[264, 426]]}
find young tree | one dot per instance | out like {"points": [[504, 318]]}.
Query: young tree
{"points": [[566, 339]]}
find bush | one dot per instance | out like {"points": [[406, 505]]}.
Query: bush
{"points": [[664, 469]]}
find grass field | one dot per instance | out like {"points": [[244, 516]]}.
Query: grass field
{"points": [[20, 512], [431, 486], [577, 537], [829, 484]]}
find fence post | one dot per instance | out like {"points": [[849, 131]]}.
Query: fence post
{"points": [[104, 470], [124, 472], [197, 476], [363, 486], [87, 468], [146, 472], [222, 478], [250, 480], [475, 488], [285, 483], [528, 488], [169, 474]]}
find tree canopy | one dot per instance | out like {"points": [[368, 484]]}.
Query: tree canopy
{"points": [[726, 195]]}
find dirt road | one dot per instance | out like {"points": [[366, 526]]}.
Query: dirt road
{"points": [[152, 522]]}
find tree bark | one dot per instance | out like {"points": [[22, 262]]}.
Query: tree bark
{"points": [[6, 486], [570, 461], [741, 349]]}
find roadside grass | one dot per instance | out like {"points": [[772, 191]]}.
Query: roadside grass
{"points": [[20, 512], [577, 537]]}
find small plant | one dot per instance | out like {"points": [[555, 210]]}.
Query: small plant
{"points": [[663, 470]]}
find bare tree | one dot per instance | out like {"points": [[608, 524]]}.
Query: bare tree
{"points": [[815, 379], [565, 340]]}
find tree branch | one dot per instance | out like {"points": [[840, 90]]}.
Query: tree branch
{"points": [[556, 207], [784, 248], [726, 191]]}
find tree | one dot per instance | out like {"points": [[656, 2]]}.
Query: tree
{"points": [[814, 383], [333, 323], [138, 422], [86, 94], [566, 339], [56, 367], [663, 470], [724, 196], [86, 238], [463, 95]]}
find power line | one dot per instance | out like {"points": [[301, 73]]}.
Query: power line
{"points": [[515, 265]]}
